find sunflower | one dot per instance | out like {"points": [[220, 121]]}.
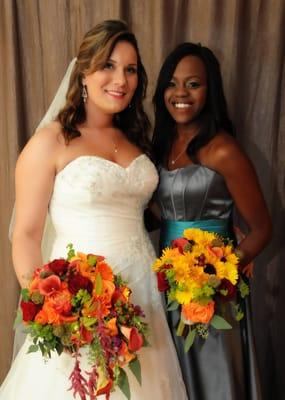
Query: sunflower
{"points": [[167, 258], [231, 272], [181, 269], [199, 236]]}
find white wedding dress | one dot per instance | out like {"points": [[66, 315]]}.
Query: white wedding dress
{"points": [[98, 206]]}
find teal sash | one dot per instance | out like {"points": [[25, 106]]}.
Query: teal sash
{"points": [[171, 229]]}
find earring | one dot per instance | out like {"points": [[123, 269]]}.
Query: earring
{"points": [[84, 93], [130, 105]]}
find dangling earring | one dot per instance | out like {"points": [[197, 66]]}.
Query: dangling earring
{"points": [[130, 105], [84, 93]]}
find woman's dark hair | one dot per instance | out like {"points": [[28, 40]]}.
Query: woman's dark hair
{"points": [[93, 54], [214, 115]]}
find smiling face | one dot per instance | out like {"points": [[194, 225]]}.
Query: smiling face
{"points": [[110, 89], [186, 94]]}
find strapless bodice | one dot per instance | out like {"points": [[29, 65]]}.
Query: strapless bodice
{"points": [[193, 193], [98, 206]]}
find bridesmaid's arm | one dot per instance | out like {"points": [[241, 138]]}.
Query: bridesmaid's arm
{"points": [[34, 178], [227, 158]]}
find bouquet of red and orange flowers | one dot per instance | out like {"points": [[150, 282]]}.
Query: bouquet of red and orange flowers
{"points": [[199, 272], [79, 301]]}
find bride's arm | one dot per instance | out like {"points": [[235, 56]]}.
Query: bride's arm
{"points": [[34, 178]]}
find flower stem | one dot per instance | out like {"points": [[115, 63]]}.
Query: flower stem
{"points": [[180, 328]]}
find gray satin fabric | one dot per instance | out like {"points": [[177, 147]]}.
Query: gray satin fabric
{"points": [[193, 193], [224, 366]]}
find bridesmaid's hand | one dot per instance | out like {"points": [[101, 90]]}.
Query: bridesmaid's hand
{"points": [[247, 270]]}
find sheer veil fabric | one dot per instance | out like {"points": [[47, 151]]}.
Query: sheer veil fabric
{"points": [[48, 235]]}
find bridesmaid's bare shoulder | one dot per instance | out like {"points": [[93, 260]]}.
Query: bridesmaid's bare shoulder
{"points": [[224, 154]]}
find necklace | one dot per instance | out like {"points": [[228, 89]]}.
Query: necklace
{"points": [[115, 145], [173, 161]]}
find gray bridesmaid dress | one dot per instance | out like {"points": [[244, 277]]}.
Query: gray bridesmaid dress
{"points": [[222, 367]]}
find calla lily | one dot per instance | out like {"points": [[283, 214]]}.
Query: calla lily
{"points": [[106, 389], [136, 340], [49, 285], [134, 337], [216, 251], [126, 331]]}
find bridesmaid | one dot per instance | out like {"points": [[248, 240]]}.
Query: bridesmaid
{"points": [[203, 174]]}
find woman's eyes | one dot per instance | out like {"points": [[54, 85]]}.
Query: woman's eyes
{"points": [[187, 85], [171, 84], [192, 84], [108, 65], [111, 66], [131, 70]]}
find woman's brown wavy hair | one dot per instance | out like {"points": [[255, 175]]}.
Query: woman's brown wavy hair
{"points": [[93, 54]]}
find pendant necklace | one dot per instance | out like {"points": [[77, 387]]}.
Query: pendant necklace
{"points": [[173, 161], [115, 146]]}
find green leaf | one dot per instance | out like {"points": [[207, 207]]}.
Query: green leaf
{"points": [[33, 348], [25, 294], [98, 284], [59, 348], [88, 321], [123, 383], [92, 260], [172, 306], [146, 342], [220, 323], [18, 319], [243, 288], [180, 328], [135, 367], [71, 252], [189, 340], [239, 315]]}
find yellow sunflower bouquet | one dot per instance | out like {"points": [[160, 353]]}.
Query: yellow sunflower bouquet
{"points": [[199, 273]]}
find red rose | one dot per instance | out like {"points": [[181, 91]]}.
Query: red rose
{"points": [[29, 310], [59, 266], [179, 243], [78, 282], [231, 290], [136, 340], [162, 283]]}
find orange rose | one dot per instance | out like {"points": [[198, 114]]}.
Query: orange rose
{"points": [[108, 290], [194, 312], [53, 317], [61, 301], [41, 317], [105, 271]]}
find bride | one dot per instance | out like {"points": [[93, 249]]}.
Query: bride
{"points": [[89, 170]]}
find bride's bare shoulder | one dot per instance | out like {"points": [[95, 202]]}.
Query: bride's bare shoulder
{"points": [[44, 145], [50, 134], [48, 138]]}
